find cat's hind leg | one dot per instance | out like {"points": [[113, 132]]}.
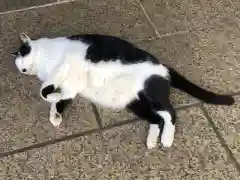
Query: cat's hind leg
{"points": [[143, 109], [168, 131], [157, 90]]}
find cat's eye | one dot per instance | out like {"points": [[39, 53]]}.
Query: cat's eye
{"points": [[24, 70]]}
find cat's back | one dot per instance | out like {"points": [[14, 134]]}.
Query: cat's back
{"points": [[105, 48]]}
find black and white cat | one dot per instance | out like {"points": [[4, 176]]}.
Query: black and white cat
{"points": [[110, 72]]}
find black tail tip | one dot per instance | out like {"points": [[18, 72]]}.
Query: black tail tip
{"points": [[224, 100]]}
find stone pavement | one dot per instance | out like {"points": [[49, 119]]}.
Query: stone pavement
{"points": [[200, 38]]}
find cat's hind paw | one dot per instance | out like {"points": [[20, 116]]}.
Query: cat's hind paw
{"points": [[167, 137], [153, 134]]}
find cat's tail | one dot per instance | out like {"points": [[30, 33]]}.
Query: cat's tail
{"points": [[181, 83]]}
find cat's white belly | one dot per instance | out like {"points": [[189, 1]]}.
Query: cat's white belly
{"points": [[111, 91], [117, 90], [111, 85], [112, 95]]}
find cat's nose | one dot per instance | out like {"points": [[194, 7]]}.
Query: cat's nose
{"points": [[24, 70]]}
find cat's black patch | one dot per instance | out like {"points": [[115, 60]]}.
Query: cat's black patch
{"points": [[25, 49], [109, 48], [62, 104], [48, 90], [153, 98], [57, 115], [157, 90], [143, 108]]}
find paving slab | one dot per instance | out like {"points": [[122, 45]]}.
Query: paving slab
{"points": [[72, 160], [24, 117], [196, 153], [120, 153], [9, 5], [174, 15], [112, 116], [217, 9], [227, 121]]}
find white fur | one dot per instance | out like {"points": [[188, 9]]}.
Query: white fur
{"points": [[54, 117], [168, 130], [153, 134], [63, 62]]}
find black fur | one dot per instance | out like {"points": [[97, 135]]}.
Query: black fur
{"points": [[181, 83], [143, 108], [48, 90], [157, 89], [25, 49], [109, 48], [153, 98], [62, 104]]}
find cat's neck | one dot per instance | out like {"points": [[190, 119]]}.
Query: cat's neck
{"points": [[48, 55], [51, 52]]}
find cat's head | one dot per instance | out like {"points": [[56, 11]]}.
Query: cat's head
{"points": [[25, 56]]}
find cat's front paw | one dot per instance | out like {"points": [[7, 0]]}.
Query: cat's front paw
{"points": [[55, 119], [53, 97]]}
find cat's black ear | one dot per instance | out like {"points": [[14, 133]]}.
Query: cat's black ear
{"points": [[14, 54], [24, 38]]}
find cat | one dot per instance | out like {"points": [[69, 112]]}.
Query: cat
{"points": [[111, 72]]}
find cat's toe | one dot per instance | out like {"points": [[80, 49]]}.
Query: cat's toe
{"points": [[151, 144], [55, 119], [167, 143]]}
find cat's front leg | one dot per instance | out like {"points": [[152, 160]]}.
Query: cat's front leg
{"points": [[54, 81], [54, 117], [57, 107], [56, 110], [47, 92]]}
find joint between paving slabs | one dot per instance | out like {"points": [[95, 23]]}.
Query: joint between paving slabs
{"points": [[65, 138], [152, 24], [230, 155], [148, 18], [77, 135], [37, 6], [188, 105], [97, 115]]}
